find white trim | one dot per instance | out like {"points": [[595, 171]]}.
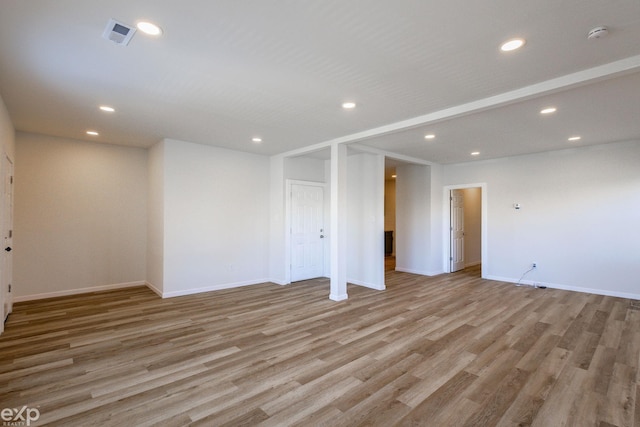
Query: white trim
{"points": [[446, 226], [338, 297], [287, 223], [420, 272], [6, 296], [472, 264], [154, 289], [367, 285], [211, 288], [507, 280], [80, 291], [567, 287]]}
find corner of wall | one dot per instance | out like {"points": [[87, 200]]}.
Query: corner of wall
{"points": [[155, 216], [154, 288], [277, 221]]}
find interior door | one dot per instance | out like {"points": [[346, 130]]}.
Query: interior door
{"points": [[307, 232], [7, 234], [457, 230]]}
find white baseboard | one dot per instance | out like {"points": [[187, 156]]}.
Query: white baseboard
{"points": [[333, 297], [149, 285], [218, 287], [501, 279], [78, 291], [338, 297], [472, 264], [154, 289], [367, 285], [420, 272], [604, 292]]}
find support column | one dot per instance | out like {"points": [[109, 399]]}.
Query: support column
{"points": [[338, 230], [279, 253]]}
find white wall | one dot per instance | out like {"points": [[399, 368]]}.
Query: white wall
{"points": [[435, 260], [472, 225], [155, 218], [278, 253], [578, 222], [216, 213], [304, 169], [365, 220], [414, 216], [79, 216]]}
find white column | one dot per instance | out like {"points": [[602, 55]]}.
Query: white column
{"points": [[338, 222], [279, 254], [437, 225]]}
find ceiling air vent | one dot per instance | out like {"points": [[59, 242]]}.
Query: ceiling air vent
{"points": [[118, 32]]}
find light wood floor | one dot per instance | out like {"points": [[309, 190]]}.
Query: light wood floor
{"points": [[444, 351]]}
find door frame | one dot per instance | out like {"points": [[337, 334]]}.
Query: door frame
{"points": [[287, 222], [453, 229], [6, 170], [446, 229]]}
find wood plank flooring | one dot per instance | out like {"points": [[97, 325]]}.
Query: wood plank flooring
{"points": [[452, 350]]}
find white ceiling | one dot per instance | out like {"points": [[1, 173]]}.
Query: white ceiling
{"points": [[226, 71]]}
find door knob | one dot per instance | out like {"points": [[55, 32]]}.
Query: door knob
{"points": [[8, 249], [321, 236]]}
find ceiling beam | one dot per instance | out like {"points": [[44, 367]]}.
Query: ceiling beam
{"points": [[558, 84]]}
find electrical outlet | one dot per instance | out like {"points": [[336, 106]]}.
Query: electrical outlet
{"points": [[534, 265]]}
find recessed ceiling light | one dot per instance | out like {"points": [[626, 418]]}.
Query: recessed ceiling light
{"points": [[575, 138], [107, 109], [256, 140], [149, 28], [429, 136], [512, 44], [394, 176], [548, 110], [475, 153], [349, 105], [92, 133]]}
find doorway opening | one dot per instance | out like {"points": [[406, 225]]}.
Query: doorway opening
{"points": [[389, 217], [465, 224]]}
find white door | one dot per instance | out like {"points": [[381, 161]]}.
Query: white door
{"points": [[7, 235], [457, 230], [307, 232]]}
